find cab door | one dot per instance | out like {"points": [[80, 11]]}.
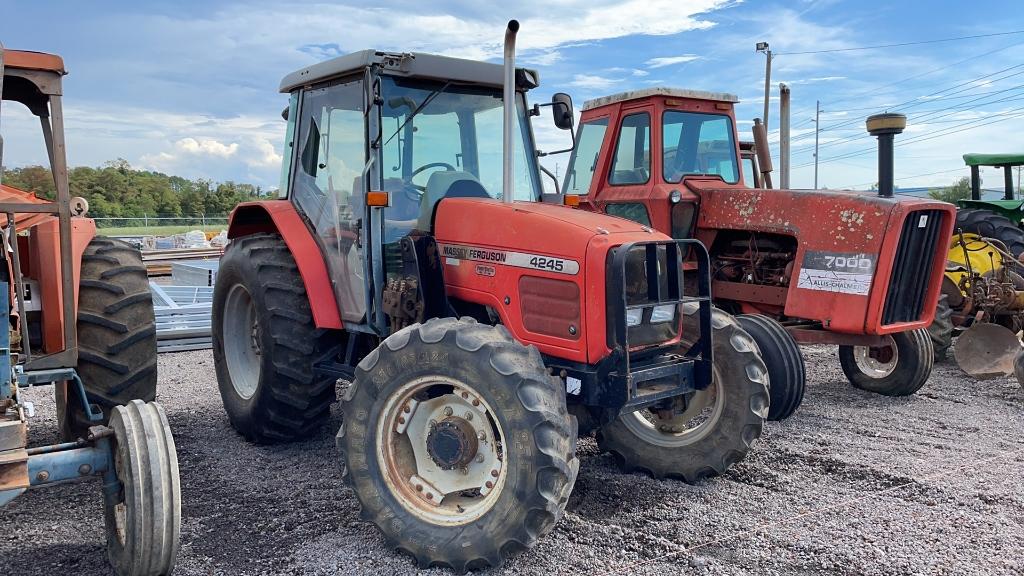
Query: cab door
{"points": [[630, 168]]}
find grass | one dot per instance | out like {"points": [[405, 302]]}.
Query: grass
{"points": [[156, 230]]}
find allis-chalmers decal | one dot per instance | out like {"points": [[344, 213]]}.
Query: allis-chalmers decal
{"points": [[837, 272], [453, 254]]}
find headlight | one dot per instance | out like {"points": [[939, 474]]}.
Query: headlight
{"points": [[663, 313], [634, 316]]}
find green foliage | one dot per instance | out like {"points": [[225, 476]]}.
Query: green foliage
{"points": [[960, 190], [116, 190]]}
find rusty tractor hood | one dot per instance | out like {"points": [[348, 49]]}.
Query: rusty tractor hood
{"points": [[850, 220]]}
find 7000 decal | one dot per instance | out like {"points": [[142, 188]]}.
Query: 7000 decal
{"points": [[455, 253]]}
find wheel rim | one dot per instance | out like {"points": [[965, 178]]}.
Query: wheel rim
{"points": [[877, 361], [441, 450], [241, 341], [680, 425]]}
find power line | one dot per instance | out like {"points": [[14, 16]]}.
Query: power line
{"points": [[960, 169], [901, 44]]}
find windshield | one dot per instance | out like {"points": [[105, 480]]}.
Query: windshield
{"points": [[694, 143], [442, 139]]}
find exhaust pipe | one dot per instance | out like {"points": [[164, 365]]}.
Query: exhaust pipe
{"points": [[509, 102], [885, 127]]}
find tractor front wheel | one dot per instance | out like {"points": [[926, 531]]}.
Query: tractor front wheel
{"points": [[116, 335], [265, 343], [941, 329], [704, 433], [899, 367], [457, 443], [781, 354]]}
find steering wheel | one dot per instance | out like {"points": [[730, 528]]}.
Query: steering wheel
{"points": [[448, 168]]}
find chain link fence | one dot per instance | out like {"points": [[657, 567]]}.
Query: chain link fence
{"points": [[157, 222]]}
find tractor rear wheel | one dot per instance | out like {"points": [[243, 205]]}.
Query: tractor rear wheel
{"points": [[116, 335], [898, 368], [265, 343], [941, 329], [989, 224], [704, 433], [781, 355], [457, 443]]}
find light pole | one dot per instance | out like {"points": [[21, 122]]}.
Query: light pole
{"points": [[763, 48], [817, 128]]}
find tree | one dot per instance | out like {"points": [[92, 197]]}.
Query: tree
{"points": [[960, 190]]}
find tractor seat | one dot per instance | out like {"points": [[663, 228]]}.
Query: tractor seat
{"points": [[447, 184]]}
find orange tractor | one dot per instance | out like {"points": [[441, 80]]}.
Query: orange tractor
{"points": [[481, 328], [797, 266], [80, 316]]}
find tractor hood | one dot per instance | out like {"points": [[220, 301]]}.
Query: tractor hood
{"points": [[548, 229], [848, 220]]}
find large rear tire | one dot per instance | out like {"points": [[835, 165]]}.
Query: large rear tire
{"points": [[707, 432], [781, 354], [458, 444], [265, 343], [989, 224], [941, 329], [900, 368], [116, 335]]}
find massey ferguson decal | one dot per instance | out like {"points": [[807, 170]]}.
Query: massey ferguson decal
{"points": [[837, 272], [453, 254]]}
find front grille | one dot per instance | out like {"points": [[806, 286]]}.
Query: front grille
{"points": [[912, 268], [649, 276]]}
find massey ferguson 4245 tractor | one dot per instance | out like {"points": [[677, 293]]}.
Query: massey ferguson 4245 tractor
{"points": [[810, 266], [480, 327]]}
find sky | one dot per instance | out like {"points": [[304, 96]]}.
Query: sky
{"points": [[190, 87]]}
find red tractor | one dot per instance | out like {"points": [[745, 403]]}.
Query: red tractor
{"points": [[481, 328], [811, 266]]}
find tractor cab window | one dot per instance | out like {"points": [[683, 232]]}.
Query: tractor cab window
{"points": [[443, 140], [632, 163], [583, 162], [694, 143], [327, 187]]}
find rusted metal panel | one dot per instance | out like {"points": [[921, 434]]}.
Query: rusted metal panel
{"points": [[820, 336], [14, 470], [754, 293]]}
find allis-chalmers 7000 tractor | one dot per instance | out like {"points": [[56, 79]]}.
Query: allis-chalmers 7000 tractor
{"points": [[811, 266], [480, 327]]}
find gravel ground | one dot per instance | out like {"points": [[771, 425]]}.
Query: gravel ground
{"points": [[853, 484]]}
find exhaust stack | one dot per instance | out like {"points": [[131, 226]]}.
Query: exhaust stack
{"points": [[885, 127], [509, 103]]}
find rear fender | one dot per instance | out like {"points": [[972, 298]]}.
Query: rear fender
{"points": [[280, 217]]}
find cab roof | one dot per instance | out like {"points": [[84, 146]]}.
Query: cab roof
{"points": [[27, 60], [411, 64], [659, 91], [1004, 159]]}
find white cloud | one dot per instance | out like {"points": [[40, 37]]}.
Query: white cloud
{"points": [[639, 73], [206, 147], [592, 81], [662, 61]]}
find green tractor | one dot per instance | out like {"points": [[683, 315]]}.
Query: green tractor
{"points": [[983, 292]]}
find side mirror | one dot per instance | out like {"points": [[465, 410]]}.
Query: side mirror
{"points": [[284, 113], [561, 111]]}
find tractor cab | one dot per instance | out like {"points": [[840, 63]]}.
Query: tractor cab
{"points": [[1008, 206], [659, 137], [392, 124]]}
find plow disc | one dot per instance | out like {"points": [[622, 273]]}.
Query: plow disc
{"points": [[987, 351]]}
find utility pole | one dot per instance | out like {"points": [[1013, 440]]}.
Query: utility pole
{"points": [[817, 128], [763, 47]]}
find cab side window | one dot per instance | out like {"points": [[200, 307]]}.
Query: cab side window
{"points": [[632, 163], [584, 157]]}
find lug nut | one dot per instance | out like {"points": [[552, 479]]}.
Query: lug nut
{"points": [[430, 496], [43, 476], [469, 415], [419, 487], [480, 457], [476, 402], [465, 394], [489, 484], [406, 409], [483, 436], [447, 410], [401, 419], [494, 473]]}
